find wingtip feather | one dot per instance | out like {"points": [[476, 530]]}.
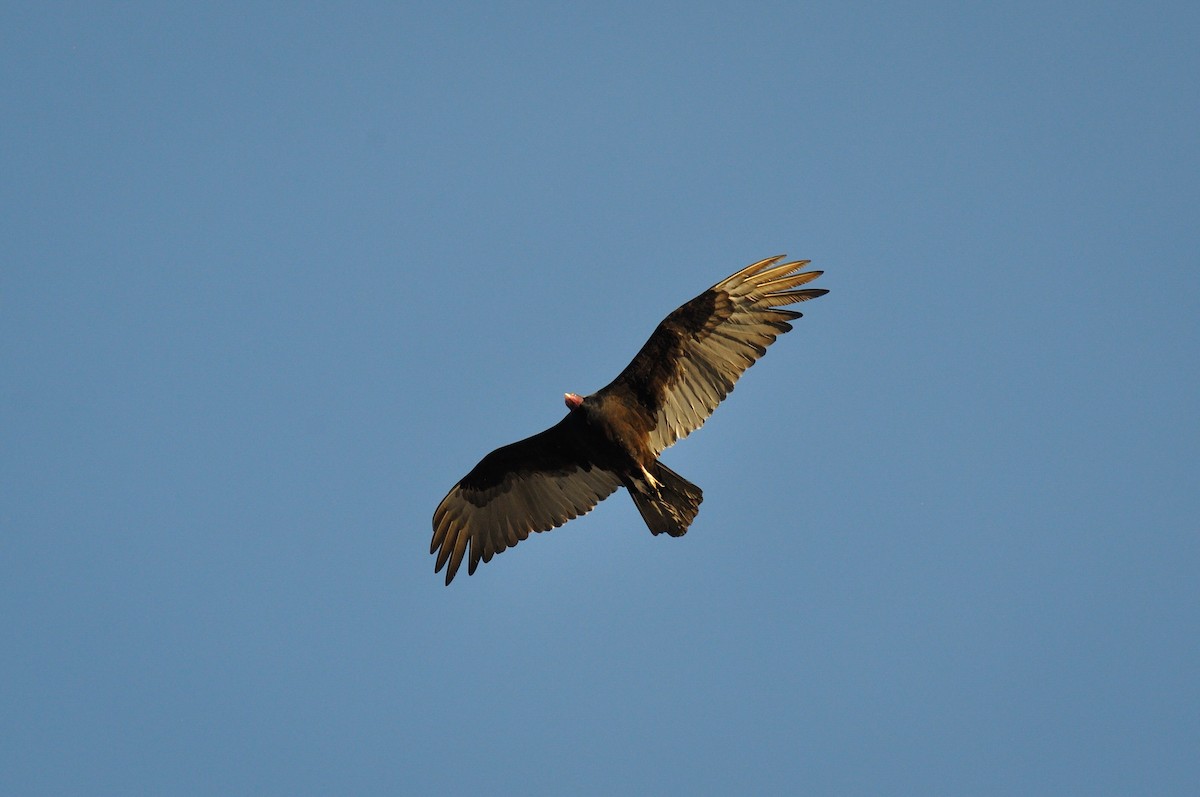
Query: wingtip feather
{"points": [[782, 270], [755, 268]]}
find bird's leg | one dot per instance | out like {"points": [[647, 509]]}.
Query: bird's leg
{"points": [[650, 480]]}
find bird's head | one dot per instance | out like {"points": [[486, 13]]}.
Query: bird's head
{"points": [[573, 400]]}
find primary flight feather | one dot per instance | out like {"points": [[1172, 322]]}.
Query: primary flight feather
{"points": [[613, 437]]}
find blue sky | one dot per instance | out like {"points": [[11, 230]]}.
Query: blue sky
{"points": [[275, 276]]}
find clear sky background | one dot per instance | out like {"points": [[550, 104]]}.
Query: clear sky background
{"points": [[275, 276]]}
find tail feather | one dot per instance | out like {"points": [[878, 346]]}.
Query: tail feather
{"points": [[671, 507]]}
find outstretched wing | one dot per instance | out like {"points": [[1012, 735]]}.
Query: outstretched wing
{"points": [[535, 484], [696, 354]]}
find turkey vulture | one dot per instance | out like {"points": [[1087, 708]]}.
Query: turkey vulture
{"points": [[613, 437]]}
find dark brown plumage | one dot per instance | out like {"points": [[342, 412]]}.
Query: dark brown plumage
{"points": [[613, 437]]}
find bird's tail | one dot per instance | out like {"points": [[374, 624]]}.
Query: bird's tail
{"points": [[671, 506]]}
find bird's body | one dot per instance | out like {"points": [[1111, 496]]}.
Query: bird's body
{"points": [[613, 437]]}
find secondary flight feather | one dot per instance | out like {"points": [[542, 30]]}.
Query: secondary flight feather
{"points": [[613, 437]]}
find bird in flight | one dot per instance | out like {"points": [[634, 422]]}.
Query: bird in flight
{"points": [[613, 437]]}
